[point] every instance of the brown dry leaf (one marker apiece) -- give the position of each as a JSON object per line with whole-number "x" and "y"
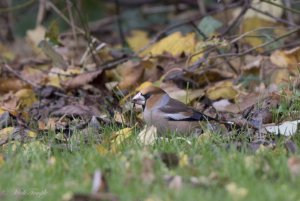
{"x": 81, "y": 79}
{"x": 225, "y": 90}
{"x": 137, "y": 39}
{"x": 243, "y": 103}
{"x": 131, "y": 72}
{"x": 294, "y": 166}
{"x": 34, "y": 75}
{"x": 23, "y": 98}
{"x": 287, "y": 59}
{"x": 77, "y": 110}
{"x": 184, "y": 44}
{"x": 11, "y": 84}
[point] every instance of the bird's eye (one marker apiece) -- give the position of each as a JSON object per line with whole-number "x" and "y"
{"x": 146, "y": 96}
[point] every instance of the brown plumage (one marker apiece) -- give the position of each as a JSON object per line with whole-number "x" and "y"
{"x": 166, "y": 113}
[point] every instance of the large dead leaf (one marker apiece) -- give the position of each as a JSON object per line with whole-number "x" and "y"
{"x": 131, "y": 72}
{"x": 225, "y": 90}
{"x": 184, "y": 44}
{"x": 82, "y": 79}
{"x": 137, "y": 39}
{"x": 287, "y": 59}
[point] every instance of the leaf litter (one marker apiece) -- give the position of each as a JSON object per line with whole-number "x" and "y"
{"x": 77, "y": 84}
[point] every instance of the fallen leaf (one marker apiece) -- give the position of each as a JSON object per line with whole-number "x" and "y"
{"x": 148, "y": 135}
{"x": 222, "y": 90}
{"x": 131, "y": 72}
{"x": 36, "y": 35}
{"x": 82, "y": 79}
{"x": 119, "y": 137}
{"x": 137, "y": 39}
{"x": 236, "y": 192}
{"x": 184, "y": 44}
{"x": 287, "y": 128}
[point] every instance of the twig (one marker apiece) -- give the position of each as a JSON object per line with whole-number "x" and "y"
{"x": 202, "y": 8}
{"x": 289, "y": 14}
{"x": 281, "y": 6}
{"x": 271, "y": 16}
{"x": 218, "y": 51}
{"x": 119, "y": 23}
{"x": 7, "y": 67}
{"x": 257, "y": 47}
{"x": 69, "y": 5}
{"x": 160, "y": 34}
{"x": 55, "y": 9}
{"x": 41, "y": 12}
{"x": 17, "y": 7}
{"x": 238, "y": 18}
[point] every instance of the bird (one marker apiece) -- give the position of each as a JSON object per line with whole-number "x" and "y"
{"x": 166, "y": 113}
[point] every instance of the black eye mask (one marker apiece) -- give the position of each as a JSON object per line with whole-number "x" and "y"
{"x": 146, "y": 96}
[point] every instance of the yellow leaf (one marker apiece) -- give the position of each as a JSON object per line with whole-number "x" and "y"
{"x": 204, "y": 137}
{"x": 101, "y": 149}
{"x": 1, "y": 111}
{"x": 6, "y": 53}
{"x": 183, "y": 159}
{"x": 31, "y": 134}
{"x": 138, "y": 39}
{"x": 286, "y": 58}
{"x": 255, "y": 23}
{"x": 119, "y": 137}
{"x": 223, "y": 90}
{"x": 6, "y": 132}
{"x": 174, "y": 44}
{"x": 26, "y": 97}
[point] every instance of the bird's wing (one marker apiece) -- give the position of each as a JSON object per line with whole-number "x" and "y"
{"x": 177, "y": 111}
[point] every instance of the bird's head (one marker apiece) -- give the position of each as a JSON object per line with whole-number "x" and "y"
{"x": 147, "y": 93}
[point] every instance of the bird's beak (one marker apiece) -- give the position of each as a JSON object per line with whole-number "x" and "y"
{"x": 139, "y": 99}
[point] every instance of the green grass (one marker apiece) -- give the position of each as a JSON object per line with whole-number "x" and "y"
{"x": 27, "y": 170}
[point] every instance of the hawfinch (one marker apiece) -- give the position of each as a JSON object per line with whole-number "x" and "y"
{"x": 166, "y": 113}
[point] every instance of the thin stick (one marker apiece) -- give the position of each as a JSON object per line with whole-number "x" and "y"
{"x": 281, "y": 6}
{"x": 7, "y": 67}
